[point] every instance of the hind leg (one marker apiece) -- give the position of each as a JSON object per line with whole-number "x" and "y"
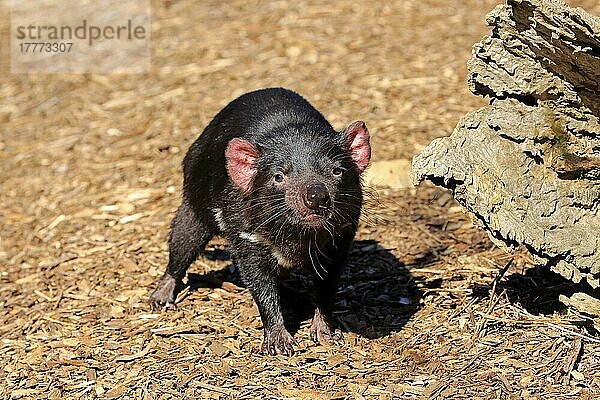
{"x": 189, "y": 235}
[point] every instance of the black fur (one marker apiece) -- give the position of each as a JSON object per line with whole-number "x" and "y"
{"x": 291, "y": 136}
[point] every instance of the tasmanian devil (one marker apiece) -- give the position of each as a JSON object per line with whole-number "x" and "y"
{"x": 271, "y": 175}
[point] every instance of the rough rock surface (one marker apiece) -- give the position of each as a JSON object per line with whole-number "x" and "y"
{"x": 527, "y": 167}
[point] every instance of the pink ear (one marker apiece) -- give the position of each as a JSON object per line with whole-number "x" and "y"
{"x": 241, "y": 158}
{"x": 356, "y": 139}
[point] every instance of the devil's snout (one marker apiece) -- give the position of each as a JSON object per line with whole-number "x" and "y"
{"x": 317, "y": 196}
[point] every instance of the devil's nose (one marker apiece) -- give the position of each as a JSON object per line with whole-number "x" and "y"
{"x": 316, "y": 196}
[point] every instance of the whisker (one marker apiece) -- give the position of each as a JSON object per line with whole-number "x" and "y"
{"x": 312, "y": 261}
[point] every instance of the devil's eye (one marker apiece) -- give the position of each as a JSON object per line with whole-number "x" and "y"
{"x": 278, "y": 177}
{"x": 337, "y": 171}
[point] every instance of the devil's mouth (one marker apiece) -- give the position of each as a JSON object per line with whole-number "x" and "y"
{"x": 315, "y": 217}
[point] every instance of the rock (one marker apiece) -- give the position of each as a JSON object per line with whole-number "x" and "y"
{"x": 393, "y": 174}
{"x": 527, "y": 167}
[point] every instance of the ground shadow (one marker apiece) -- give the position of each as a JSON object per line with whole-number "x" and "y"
{"x": 537, "y": 290}
{"x": 377, "y": 294}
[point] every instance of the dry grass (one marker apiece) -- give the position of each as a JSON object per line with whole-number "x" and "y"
{"x": 90, "y": 178}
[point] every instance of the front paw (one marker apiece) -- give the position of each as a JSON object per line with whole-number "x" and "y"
{"x": 163, "y": 297}
{"x": 278, "y": 341}
{"x": 321, "y": 332}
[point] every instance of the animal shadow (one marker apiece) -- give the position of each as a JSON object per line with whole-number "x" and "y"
{"x": 377, "y": 293}
{"x": 376, "y": 296}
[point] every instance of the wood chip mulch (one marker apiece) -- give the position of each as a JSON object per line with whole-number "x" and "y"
{"x": 90, "y": 177}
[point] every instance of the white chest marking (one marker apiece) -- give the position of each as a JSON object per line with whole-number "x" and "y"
{"x": 219, "y": 218}
{"x": 260, "y": 239}
{"x": 281, "y": 260}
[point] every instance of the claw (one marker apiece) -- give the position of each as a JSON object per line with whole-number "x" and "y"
{"x": 321, "y": 332}
{"x": 278, "y": 342}
{"x": 163, "y": 297}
